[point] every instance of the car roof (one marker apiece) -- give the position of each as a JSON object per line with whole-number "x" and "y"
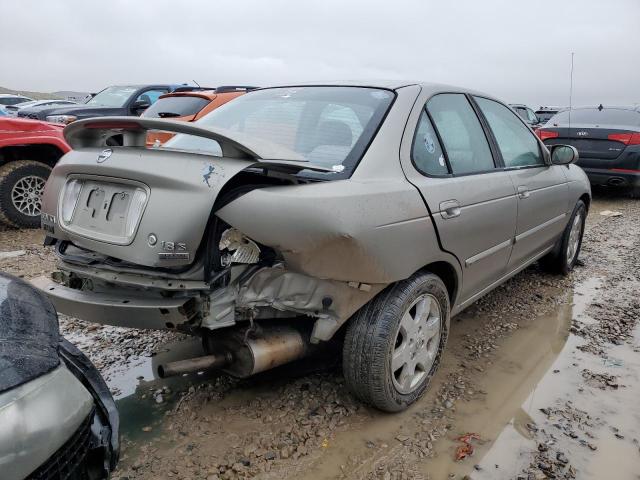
{"x": 12, "y": 95}
{"x": 206, "y": 94}
{"x": 429, "y": 87}
{"x": 609, "y": 107}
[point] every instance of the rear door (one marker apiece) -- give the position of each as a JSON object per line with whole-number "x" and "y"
{"x": 471, "y": 200}
{"x": 541, "y": 188}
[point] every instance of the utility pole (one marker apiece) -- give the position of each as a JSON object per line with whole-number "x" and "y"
{"x": 571, "y": 91}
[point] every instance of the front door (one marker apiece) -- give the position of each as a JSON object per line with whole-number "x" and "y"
{"x": 472, "y": 201}
{"x": 541, "y": 188}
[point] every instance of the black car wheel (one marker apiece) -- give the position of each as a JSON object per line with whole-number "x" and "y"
{"x": 21, "y": 186}
{"x": 564, "y": 256}
{"x": 394, "y": 344}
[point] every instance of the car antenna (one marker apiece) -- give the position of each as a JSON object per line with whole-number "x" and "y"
{"x": 196, "y": 83}
{"x": 570, "y": 93}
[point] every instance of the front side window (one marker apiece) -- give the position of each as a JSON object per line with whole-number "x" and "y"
{"x": 518, "y": 146}
{"x": 464, "y": 140}
{"x": 426, "y": 152}
{"x": 325, "y": 126}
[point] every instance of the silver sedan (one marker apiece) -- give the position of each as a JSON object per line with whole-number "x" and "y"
{"x": 293, "y": 213}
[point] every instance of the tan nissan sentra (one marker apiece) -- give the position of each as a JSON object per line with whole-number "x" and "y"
{"x": 363, "y": 213}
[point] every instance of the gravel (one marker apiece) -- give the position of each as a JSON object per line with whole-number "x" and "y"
{"x": 282, "y": 425}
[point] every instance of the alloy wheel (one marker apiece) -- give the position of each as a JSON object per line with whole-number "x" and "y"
{"x": 417, "y": 343}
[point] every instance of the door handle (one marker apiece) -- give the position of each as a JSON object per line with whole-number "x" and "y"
{"x": 523, "y": 192}
{"x": 450, "y": 209}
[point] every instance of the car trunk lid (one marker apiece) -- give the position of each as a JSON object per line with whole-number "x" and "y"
{"x": 148, "y": 207}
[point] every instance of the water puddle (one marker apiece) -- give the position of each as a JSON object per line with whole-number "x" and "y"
{"x": 537, "y": 366}
{"x": 138, "y": 386}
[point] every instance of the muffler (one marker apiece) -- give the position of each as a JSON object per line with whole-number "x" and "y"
{"x": 242, "y": 355}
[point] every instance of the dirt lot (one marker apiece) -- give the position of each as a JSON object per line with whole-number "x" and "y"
{"x": 540, "y": 380}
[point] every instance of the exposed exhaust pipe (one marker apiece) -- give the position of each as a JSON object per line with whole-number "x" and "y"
{"x": 196, "y": 364}
{"x": 243, "y": 356}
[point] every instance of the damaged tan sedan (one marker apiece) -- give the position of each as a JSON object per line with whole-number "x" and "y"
{"x": 364, "y": 213}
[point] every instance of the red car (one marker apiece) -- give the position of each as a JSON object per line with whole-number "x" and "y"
{"x": 28, "y": 151}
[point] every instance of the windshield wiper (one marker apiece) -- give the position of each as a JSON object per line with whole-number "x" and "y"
{"x": 168, "y": 114}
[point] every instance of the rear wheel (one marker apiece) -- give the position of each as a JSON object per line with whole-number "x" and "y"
{"x": 394, "y": 344}
{"x": 635, "y": 192}
{"x": 21, "y": 186}
{"x": 564, "y": 257}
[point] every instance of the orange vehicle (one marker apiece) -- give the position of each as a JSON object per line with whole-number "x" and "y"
{"x": 188, "y": 105}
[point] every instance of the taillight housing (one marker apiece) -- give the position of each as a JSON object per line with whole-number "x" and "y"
{"x": 70, "y": 199}
{"x": 630, "y": 138}
{"x": 546, "y": 134}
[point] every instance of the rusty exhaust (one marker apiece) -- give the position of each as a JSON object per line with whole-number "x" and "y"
{"x": 241, "y": 355}
{"x": 196, "y": 364}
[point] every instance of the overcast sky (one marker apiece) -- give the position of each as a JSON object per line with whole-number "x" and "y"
{"x": 517, "y": 50}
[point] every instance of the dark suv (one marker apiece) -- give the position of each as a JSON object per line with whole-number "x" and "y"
{"x": 608, "y": 140}
{"x": 118, "y": 100}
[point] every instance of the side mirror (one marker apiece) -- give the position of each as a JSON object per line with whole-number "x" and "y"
{"x": 140, "y": 105}
{"x": 563, "y": 154}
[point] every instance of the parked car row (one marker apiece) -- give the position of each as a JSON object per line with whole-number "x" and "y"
{"x": 29, "y": 149}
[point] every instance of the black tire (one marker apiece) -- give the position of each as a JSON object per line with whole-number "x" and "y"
{"x": 635, "y": 192}
{"x": 11, "y": 175}
{"x": 371, "y": 340}
{"x": 557, "y": 260}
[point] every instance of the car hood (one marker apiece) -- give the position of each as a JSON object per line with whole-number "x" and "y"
{"x": 83, "y": 111}
{"x": 29, "y": 333}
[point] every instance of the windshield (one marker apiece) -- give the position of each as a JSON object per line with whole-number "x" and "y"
{"x": 112, "y": 97}
{"x": 178, "y": 106}
{"x": 326, "y": 126}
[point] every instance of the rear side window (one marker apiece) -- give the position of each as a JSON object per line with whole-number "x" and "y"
{"x": 175, "y": 107}
{"x": 518, "y": 146}
{"x": 594, "y": 116}
{"x": 426, "y": 151}
{"x": 464, "y": 140}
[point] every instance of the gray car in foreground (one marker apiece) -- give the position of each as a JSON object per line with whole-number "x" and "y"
{"x": 366, "y": 214}
{"x": 58, "y": 419}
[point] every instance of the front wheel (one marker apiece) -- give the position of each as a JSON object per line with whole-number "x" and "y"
{"x": 21, "y": 186}
{"x": 394, "y": 344}
{"x": 563, "y": 258}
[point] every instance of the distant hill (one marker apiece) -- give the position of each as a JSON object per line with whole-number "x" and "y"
{"x": 34, "y": 95}
{"x": 71, "y": 95}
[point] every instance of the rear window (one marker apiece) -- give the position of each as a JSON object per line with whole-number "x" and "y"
{"x": 326, "y": 126}
{"x": 175, "y": 107}
{"x": 594, "y": 116}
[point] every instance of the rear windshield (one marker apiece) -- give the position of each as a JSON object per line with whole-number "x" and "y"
{"x": 326, "y": 126}
{"x": 594, "y": 116}
{"x": 545, "y": 115}
{"x": 179, "y": 106}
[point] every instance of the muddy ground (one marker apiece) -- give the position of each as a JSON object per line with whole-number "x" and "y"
{"x": 540, "y": 379}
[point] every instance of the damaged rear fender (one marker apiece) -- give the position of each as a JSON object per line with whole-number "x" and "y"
{"x": 375, "y": 232}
